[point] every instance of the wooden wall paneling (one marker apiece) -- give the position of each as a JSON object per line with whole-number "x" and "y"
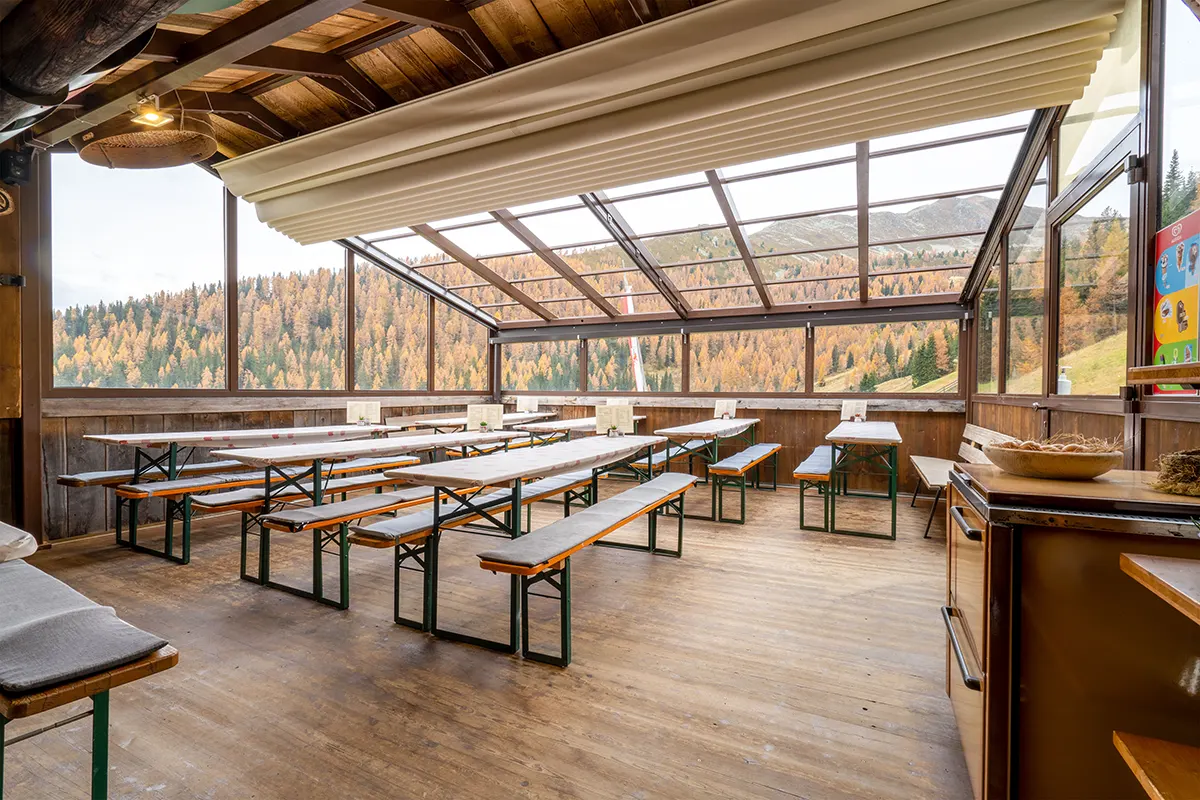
{"x": 1164, "y": 436}
{"x": 325, "y": 416}
{"x": 612, "y": 16}
{"x": 516, "y": 29}
{"x": 85, "y": 507}
{"x": 54, "y": 461}
{"x": 385, "y": 70}
{"x": 1019, "y": 421}
{"x": 8, "y": 476}
{"x": 1102, "y": 426}
{"x": 10, "y": 313}
{"x": 280, "y": 419}
{"x": 119, "y": 458}
{"x": 302, "y": 419}
{"x": 570, "y": 21}
{"x": 256, "y": 419}
{"x": 451, "y": 63}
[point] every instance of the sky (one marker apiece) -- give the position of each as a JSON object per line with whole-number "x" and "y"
{"x": 168, "y": 234}
{"x": 1181, "y": 128}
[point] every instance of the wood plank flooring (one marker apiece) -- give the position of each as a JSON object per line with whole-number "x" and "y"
{"x": 768, "y": 662}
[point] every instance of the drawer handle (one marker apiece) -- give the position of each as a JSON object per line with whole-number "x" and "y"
{"x": 974, "y": 534}
{"x": 970, "y": 681}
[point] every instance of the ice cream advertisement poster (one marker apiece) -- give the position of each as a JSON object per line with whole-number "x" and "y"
{"x": 1177, "y": 296}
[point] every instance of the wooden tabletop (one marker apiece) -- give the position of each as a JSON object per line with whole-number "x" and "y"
{"x": 502, "y": 469}
{"x": 461, "y": 422}
{"x": 565, "y": 425}
{"x": 709, "y": 428}
{"x": 252, "y": 436}
{"x": 884, "y": 433}
{"x": 345, "y": 450}
{"x": 1127, "y": 488}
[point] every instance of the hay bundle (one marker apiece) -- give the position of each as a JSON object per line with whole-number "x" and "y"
{"x": 1179, "y": 473}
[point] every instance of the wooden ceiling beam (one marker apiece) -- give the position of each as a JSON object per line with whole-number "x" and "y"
{"x": 449, "y": 19}
{"x": 729, "y": 211}
{"x": 259, "y": 27}
{"x": 482, "y": 270}
{"x": 531, "y": 240}
{"x": 234, "y": 104}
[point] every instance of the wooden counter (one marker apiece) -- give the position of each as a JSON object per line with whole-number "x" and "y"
{"x": 1051, "y": 646}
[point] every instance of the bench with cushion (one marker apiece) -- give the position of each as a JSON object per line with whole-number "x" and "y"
{"x": 544, "y": 556}
{"x": 185, "y": 495}
{"x": 934, "y": 473}
{"x": 813, "y": 473}
{"x": 59, "y": 647}
{"x": 411, "y": 534}
{"x": 732, "y": 471}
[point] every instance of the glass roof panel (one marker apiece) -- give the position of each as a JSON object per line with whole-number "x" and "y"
{"x": 567, "y": 227}
{"x": 912, "y": 284}
{"x": 486, "y": 240}
{"x": 453, "y": 274}
{"x": 653, "y": 186}
{"x": 701, "y": 246}
{"x": 954, "y": 167}
{"x": 614, "y": 286}
{"x": 827, "y": 232}
{"x": 796, "y": 192}
{"x": 958, "y": 251}
{"x": 724, "y": 298}
{"x": 669, "y": 212}
{"x": 545, "y": 205}
{"x": 794, "y": 160}
{"x": 394, "y": 232}
{"x": 526, "y": 265}
{"x": 598, "y": 257}
{"x": 550, "y": 290}
{"x": 952, "y": 131}
{"x": 579, "y": 309}
{"x": 824, "y": 265}
{"x": 707, "y": 276}
{"x": 482, "y": 216}
{"x": 814, "y": 291}
{"x": 944, "y": 217}
{"x": 413, "y": 250}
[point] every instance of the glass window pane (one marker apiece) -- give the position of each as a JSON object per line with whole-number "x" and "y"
{"x": 460, "y": 352}
{"x": 903, "y": 357}
{"x": 739, "y": 297}
{"x": 945, "y": 217}
{"x": 573, "y": 309}
{"x": 795, "y": 160}
{"x": 828, "y": 232}
{"x": 291, "y": 309}
{"x": 556, "y": 289}
{"x": 127, "y": 319}
{"x": 949, "y": 168}
{"x": 748, "y": 361}
{"x": 702, "y": 246}
{"x": 672, "y": 212}
{"x": 918, "y": 282}
{"x": 659, "y": 364}
{"x": 830, "y": 275}
{"x": 546, "y": 205}
{"x": 413, "y": 250}
{"x": 513, "y": 268}
{"x": 486, "y": 240}
{"x": 1027, "y": 296}
{"x": 814, "y": 291}
{"x": 795, "y": 192}
{"x": 952, "y": 131}
{"x": 653, "y": 186}
{"x": 540, "y": 366}
{"x": 391, "y": 332}
{"x": 482, "y": 216}
{"x": 988, "y": 327}
{"x": 708, "y": 276}
{"x": 1109, "y": 102}
{"x": 1093, "y": 304}
{"x": 1181, "y": 112}
{"x": 567, "y": 227}
{"x": 919, "y": 268}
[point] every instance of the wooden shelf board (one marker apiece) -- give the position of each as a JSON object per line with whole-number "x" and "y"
{"x": 1166, "y": 770}
{"x": 1163, "y": 374}
{"x": 1176, "y": 580}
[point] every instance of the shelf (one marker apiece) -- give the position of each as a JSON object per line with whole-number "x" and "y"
{"x": 1184, "y": 374}
{"x": 1167, "y": 771}
{"x": 1176, "y": 580}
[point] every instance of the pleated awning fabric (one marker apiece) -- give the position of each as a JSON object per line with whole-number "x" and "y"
{"x": 729, "y": 82}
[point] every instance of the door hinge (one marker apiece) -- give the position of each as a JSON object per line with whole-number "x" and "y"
{"x": 8, "y": 279}
{"x": 1135, "y": 169}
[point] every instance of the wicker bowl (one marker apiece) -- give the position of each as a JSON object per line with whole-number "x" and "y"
{"x": 1055, "y": 466}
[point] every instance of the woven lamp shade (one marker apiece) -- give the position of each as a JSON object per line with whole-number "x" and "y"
{"x": 123, "y": 144}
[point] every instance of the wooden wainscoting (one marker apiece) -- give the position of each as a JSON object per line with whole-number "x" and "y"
{"x": 1168, "y": 436}
{"x": 1024, "y": 422}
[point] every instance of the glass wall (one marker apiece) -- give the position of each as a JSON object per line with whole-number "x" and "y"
{"x": 1094, "y": 294}
{"x": 988, "y": 325}
{"x": 540, "y": 366}
{"x": 1181, "y": 112}
{"x": 892, "y": 358}
{"x": 291, "y": 309}
{"x": 1026, "y": 312}
{"x": 636, "y": 364}
{"x": 460, "y": 352}
{"x": 748, "y": 361}
{"x": 391, "y": 332}
{"x": 138, "y": 296}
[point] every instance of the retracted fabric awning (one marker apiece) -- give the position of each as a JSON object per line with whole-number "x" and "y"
{"x": 729, "y": 82}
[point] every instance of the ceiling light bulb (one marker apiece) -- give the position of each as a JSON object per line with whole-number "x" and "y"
{"x": 151, "y": 115}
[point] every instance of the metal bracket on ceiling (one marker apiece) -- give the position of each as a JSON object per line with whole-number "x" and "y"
{"x": 10, "y": 279}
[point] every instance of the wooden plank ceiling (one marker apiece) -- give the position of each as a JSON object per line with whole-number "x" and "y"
{"x": 269, "y": 73}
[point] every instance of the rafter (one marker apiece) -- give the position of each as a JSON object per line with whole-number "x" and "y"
{"x": 729, "y": 211}
{"x": 450, "y": 19}
{"x": 257, "y": 28}
{"x": 618, "y": 227}
{"x": 233, "y": 104}
{"x": 482, "y": 270}
{"x": 531, "y": 240}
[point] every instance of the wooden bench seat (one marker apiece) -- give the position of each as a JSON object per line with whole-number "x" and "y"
{"x": 732, "y": 471}
{"x": 544, "y": 556}
{"x": 934, "y": 473}
{"x": 116, "y": 477}
{"x": 331, "y": 515}
{"x": 251, "y": 498}
{"x": 813, "y": 473}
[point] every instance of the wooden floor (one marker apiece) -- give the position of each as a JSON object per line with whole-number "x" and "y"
{"x": 768, "y": 662}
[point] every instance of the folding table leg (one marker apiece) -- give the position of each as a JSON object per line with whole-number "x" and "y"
{"x": 100, "y": 746}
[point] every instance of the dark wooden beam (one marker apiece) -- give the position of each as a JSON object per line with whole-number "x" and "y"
{"x": 234, "y": 104}
{"x": 449, "y": 19}
{"x": 257, "y": 28}
{"x": 729, "y": 211}
{"x": 543, "y": 251}
{"x": 618, "y": 227}
{"x": 482, "y": 270}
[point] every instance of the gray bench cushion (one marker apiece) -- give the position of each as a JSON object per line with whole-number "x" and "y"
{"x": 546, "y": 544}
{"x": 50, "y": 633}
{"x": 743, "y": 460}
{"x": 111, "y": 477}
{"x": 188, "y": 485}
{"x": 298, "y": 519}
{"x": 15, "y": 543}
{"x": 238, "y": 496}
{"x": 819, "y": 462}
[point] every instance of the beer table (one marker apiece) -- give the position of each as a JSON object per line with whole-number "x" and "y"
{"x": 452, "y": 424}
{"x": 703, "y": 439}
{"x": 866, "y": 444}
{"x": 561, "y": 429}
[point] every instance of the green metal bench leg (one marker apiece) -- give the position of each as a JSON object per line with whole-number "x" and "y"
{"x": 561, "y": 580}
{"x": 422, "y": 555}
{"x": 3, "y": 723}
{"x": 100, "y": 746}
